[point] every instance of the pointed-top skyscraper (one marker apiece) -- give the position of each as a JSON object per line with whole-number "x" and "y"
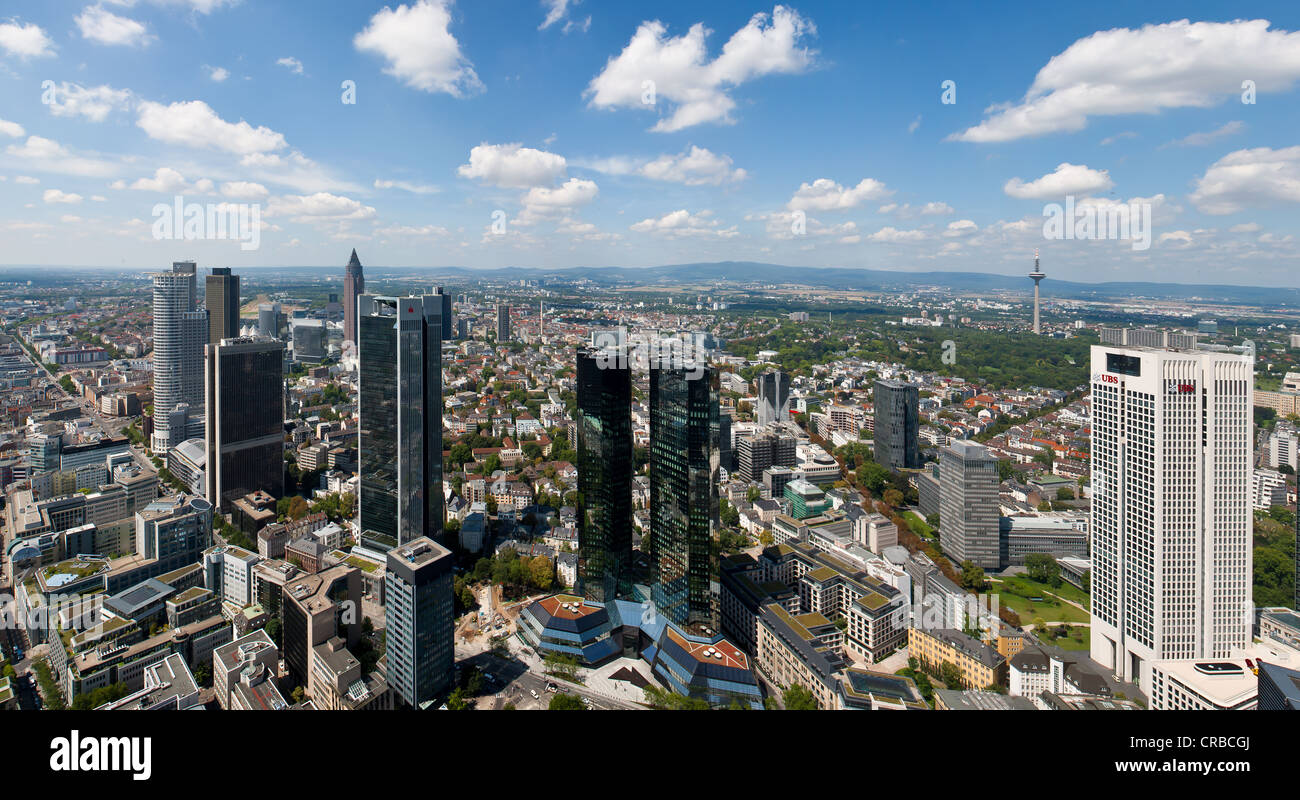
{"x": 354, "y": 285}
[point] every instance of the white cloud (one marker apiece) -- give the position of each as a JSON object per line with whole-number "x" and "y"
{"x": 1245, "y": 227}
{"x": 1258, "y": 176}
{"x": 419, "y": 48}
{"x": 1109, "y": 140}
{"x": 581, "y": 27}
{"x": 936, "y": 208}
{"x": 243, "y": 190}
{"x": 1207, "y": 137}
{"x": 825, "y": 194}
{"x": 781, "y": 225}
{"x": 406, "y": 186}
{"x": 70, "y": 100}
{"x": 682, "y": 223}
{"x": 892, "y": 235}
{"x": 695, "y": 166}
{"x": 1065, "y": 179}
{"x": 961, "y": 227}
{"x": 57, "y": 196}
{"x": 101, "y": 25}
{"x": 166, "y": 180}
{"x": 556, "y": 10}
{"x": 25, "y": 41}
{"x": 48, "y": 155}
{"x": 290, "y": 63}
{"x": 321, "y": 206}
{"x": 542, "y": 202}
{"x": 27, "y": 179}
{"x": 195, "y": 124}
{"x": 914, "y": 124}
{"x": 1177, "y": 237}
{"x": 12, "y": 129}
{"x": 698, "y": 89}
{"x": 408, "y": 230}
{"x": 217, "y": 74}
{"x": 1178, "y": 64}
{"x": 512, "y": 166}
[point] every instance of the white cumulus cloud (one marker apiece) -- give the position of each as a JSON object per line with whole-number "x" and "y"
{"x": 417, "y": 43}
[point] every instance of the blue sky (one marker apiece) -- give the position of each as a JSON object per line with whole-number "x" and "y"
{"x": 531, "y": 114}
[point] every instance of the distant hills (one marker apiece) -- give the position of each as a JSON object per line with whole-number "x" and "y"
{"x": 846, "y": 279}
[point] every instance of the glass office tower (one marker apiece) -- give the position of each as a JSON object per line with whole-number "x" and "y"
{"x": 684, "y": 494}
{"x": 400, "y": 438}
{"x": 605, "y": 468}
{"x": 244, "y": 419}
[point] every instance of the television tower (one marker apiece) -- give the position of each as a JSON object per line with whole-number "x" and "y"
{"x": 1037, "y": 275}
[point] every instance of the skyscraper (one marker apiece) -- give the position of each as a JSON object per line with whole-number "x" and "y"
{"x": 897, "y": 422}
{"x": 179, "y": 333}
{"x": 268, "y": 320}
{"x": 684, "y": 494}
{"x": 503, "y": 323}
{"x": 604, "y": 446}
{"x": 399, "y": 444}
{"x": 354, "y": 285}
{"x": 244, "y": 413}
{"x": 419, "y": 608}
{"x": 1171, "y": 513}
{"x": 447, "y": 319}
{"x": 221, "y": 296}
{"x": 968, "y": 504}
{"x": 773, "y": 397}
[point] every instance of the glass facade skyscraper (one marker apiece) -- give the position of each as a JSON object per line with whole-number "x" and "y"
{"x": 400, "y": 435}
{"x": 683, "y": 494}
{"x": 897, "y": 425}
{"x": 605, "y": 467}
{"x": 244, "y": 419}
{"x": 221, "y": 297}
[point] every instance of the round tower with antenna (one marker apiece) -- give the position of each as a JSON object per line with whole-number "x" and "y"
{"x": 1037, "y": 275}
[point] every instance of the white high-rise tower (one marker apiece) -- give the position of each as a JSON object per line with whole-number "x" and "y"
{"x": 179, "y": 333}
{"x": 1171, "y": 509}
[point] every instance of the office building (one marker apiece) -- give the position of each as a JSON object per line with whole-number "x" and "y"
{"x": 447, "y": 319}
{"x": 354, "y": 285}
{"x": 768, "y": 448}
{"x": 269, "y": 320}
{"x": 418, "y": 611}
{"x": 1279, "y": 688}
{"x": 604, "y": 446}
{"x": 896, "y": 425}
{"x": 1171, "y": 508}
{"x": 179, "y": 332}
{"x": 773, "y": 398}
{"x": 221, "y": 296}
{"x": 968, "y": 504}
{"x": 683, "y": 493}
{"x": 244, "y": 415}
{"x": 503, "y": 323}
{"x": 316, "y": 608}
{"x": 399, "y": 445}
{"x": 174, "y": 531}
{"x": 308, "y": 340}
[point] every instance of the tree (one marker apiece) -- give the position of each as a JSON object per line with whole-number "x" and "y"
{"x": 798, "y": 698}
{"x": 893, "y": 498}
{"x": 753, "y": 494}
{"x": 1064, "y": 494}
{"x": 563, "y": 701}
{"x": 540, "y": 572}
{"x": 950, "y": 674}
{"x": 873, "y": 477}
{"x": 729, "y": 515}
{"x": 972, "y": 575}
{"x": 1042, "y": 567}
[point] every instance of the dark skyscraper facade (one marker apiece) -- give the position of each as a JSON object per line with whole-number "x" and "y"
{"x": 221, "y": 295}
{"x": 897, "y": 424}
{"x": 683, "y": 494}
{"x": 244, "y": 419}
{"x": 419, "y": 611}
{"x": 604, "y": 449}
{"x": 503, "y": 323}
{"x": 354, "y": 285}
{"x": 399, "y": 445}
{"x": 447, "y": 322}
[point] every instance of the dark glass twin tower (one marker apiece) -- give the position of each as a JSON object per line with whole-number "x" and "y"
{"x": 684, "y": 436}
{"x": 399, "y": 449}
